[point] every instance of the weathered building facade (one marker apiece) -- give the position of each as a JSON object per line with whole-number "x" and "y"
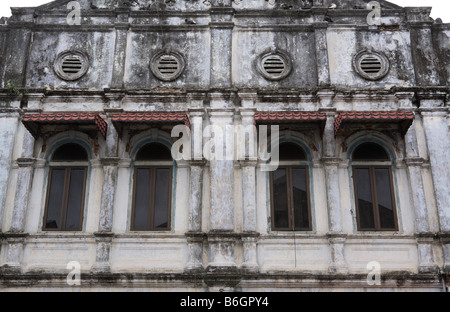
{"x": 88, "y": 101}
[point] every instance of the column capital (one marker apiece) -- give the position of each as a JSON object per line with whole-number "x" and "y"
{"x": 26, "y": 162}
{"x": 196, "y": 112}
{"x": 221, "y": 113}
{"x": 331, "y": 161}
{"x": 248, "y": 162}
{"x": 414, "y": 161}
{"x": 198, "y": 162}
{"x": 329, "y": 111}
{"x": 110, "y": 161}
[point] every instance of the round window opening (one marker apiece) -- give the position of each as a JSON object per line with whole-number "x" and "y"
{"x": 371, "y": 65}
{"x": 167, "y": 66}
{"x": 274, "y": 65}
{"x": 71, "y": 65}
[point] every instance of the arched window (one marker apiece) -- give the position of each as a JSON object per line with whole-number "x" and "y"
{"x": 66, "y": 189}
{"x": 152, "y": 190}
{"x": 374, "y": 195}
{"x": 290, "y": 198}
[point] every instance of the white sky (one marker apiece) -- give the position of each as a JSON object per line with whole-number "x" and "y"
{"x": 441, "y": 8}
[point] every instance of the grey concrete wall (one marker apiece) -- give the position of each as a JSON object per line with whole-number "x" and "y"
{"x": 120, "y": 43}
{"x": 8, "y": 126}
{"x": 221, "y": 226}
{"x": 141, "y": 46}
{"x": 99, "y": 46}
{"x": 442, "y": 44}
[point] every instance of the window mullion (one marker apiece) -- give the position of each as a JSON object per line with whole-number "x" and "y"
{"x": 152, "y": 197}
{"x": 376, "y": 214}
{"x": 290, "y": 196}
{"x": 65, "y": 201}
{"x": 355, "y": 190}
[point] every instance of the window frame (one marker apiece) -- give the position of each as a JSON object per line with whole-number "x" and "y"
{"x": 68, "y": 167}
{"x": 153, "y": 166}
{"x": 373, "y": 188}
{"x": 290, "y": 195}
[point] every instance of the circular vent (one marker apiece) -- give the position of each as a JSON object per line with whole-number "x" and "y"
{"x": 274, "y": 65}
{"x": 71, "y": 65}
{"x": 371, "y": 65}
{"x": 167, "y": 66}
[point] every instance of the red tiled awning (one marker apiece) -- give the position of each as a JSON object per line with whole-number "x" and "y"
{"x": 34, "y": 122}
{"x": 151, "y": 117}
{"x": 293, "y": 117}
{"x": 400, "y": 118}
{"x": 298, "y": 118}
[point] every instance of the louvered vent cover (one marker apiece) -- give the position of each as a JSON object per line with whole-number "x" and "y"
{"x": 71, "y": 65}
{"x": 274, "y": 65}
{"x": 371, "y": 65}
{"x": 167, "y": 66}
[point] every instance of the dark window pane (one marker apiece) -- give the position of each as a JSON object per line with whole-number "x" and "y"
{"x": 162, "y": 193}
{"x": 370, "y": 151}
{"x": 280, "y": 199}
{"x": 384, "y": 196}
{"x": 291, "y": 151}
{"x": 155, "y": 152}
{"x": 75, "y": 199}
{"x": 300, "y": 192}
{"x": 55, "y": 199}
{"x": 70, "y": 152}
{"x": 142, "y": 199}
{"x": 364, "y": 196}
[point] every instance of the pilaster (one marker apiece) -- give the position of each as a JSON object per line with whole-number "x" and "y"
{"x": 434, "y": 119}
{"x": 221, "y": 26}
{"x": 15, "y": 243}
{"x": 104, "y": 236}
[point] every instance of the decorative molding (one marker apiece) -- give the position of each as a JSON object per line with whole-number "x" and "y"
{"x": 26, "y": 162}
{"x": 110, "y": 161}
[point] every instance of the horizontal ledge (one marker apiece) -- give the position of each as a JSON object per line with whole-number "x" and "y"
{"x": 95, "y": 279}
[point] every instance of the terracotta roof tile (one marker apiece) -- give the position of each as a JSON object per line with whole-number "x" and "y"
{"x": 33, "y": 121}
{"x": 289, "y": 116}
{"x": 372, "y": 116}
{"x": 148, "y": 117}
